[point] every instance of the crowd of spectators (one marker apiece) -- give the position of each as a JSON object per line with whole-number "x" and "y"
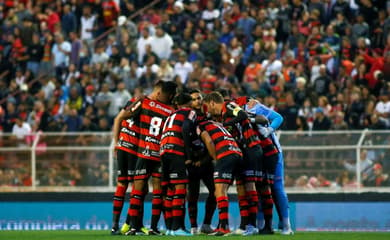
{"x": 323, "y": 64}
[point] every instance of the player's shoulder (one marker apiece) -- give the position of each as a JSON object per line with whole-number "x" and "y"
{"x": 241, "y": 101}
{"x": 157, "y": 105}
{"x": 189, "y": 113}
{"x": 203, "y": 123}
{"x": 232, "y": 108}
{"x": 134, "y": 104}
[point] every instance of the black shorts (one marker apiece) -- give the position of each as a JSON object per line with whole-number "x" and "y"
{"x": 174, "y": 170}
{"x": 269, "y": 168}
{"x": 126, "y": 165}
{"x": 203, "y": 171}
{"x": 253, "y": 164}
{"x": 228, "y": 168}
{"x": 146, "y": 168}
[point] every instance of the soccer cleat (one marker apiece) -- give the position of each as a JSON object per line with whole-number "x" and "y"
{"x": 168, "y": 232}
{"x": 115, "y": 231}
{"x": 250, "y": 230}
{"x": 238, "y": 232}
{"x": 125, "y": 228}
{"x": 144, "y": 230}
{"x": 194, "y": 231}
{"x": 134, "y": 232}
{"x": 220, "y": 232}
{"x": 131, "y": 232}
{"x": 288, "y": 231}
{"x": 206, "y": 229}
{"x": 155, "y": 232}
{"x": 266, "y": 231}
{"x": 180, "y": 232}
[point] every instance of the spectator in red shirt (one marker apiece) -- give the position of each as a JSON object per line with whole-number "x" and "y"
{"x": 51, "y": 18}
{"x": 377, "y": 63}
{"x": 110, "y": 13}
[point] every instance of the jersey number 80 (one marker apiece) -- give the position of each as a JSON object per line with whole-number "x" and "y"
{"x": 155, "y": 125}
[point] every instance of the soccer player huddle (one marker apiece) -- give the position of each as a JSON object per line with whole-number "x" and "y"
{"x": 178, "y": 140}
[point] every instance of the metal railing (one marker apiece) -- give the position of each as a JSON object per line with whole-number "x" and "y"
{"x": 314, "y": 161}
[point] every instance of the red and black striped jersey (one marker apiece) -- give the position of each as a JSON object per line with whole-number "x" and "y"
{"x": 173, "y": 138}
{"x": 201, "y": 116}
{"x": 268, "y": 146}
{"x": 225, "y": 144}
{"x": 232, "y": 129}
{"x": 249, "y": 137}
{"x": 129, "y": 133}
{"x": 152, "y": 115}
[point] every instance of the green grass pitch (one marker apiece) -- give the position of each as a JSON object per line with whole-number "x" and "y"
{"x": 104, "y": 235}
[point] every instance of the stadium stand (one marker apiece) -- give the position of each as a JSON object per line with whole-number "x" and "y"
{"x": 69, "y": 66}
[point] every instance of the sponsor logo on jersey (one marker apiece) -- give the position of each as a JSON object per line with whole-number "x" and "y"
{"x": 228, "y": 138}
{"x": 169, "y": 111}
{"x": 140, "y": 172}
{"x": 227, "y": 175}
{"x": 155, "y": 153}
{"x": 166, "y": 134}
{"x": 152, "y": 140}
{"x": 173, "y": 175}
{"x": 146, "y": 152}
{"x": 136, "y": 106}
{"x": 127, "y": 131}
{"x": 192, "y": 115}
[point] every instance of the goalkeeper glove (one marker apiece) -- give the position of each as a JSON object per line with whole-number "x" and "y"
{"x": 266, "y": 131}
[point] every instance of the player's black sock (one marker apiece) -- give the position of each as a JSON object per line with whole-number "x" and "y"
{"x": 141, "y": 210}
{"x": 119, "y": 198}
{"x": 267, "y": 205}
{"x": 193, "y": 210}
{"x": 135, "y": 209}
{"x": 223, "y": 208}
{"x": 168, "y": 209}
{"x": 253, "y": 206}
{"x": 211, "y": 204}
{"x": 156, "y": 208}
{"x": 178, "y": 208}
{"x": 244, "y": 214}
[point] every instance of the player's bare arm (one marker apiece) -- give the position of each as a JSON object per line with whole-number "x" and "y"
{"x": 126, "y": 113}
{"x": 123, "y": 114}
{"x": 209, "y": 144}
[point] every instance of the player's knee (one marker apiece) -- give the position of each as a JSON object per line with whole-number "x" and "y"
{"x": 139, "y": 185}
{"x": 122, "y": 183}
{"x": 250, "y": 186}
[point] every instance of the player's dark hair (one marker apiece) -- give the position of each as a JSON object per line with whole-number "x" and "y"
{"x": 182, "y": 99}
{"x": 158, "y": 84}
{"x": 194, "y": 90}
{"x": 224, "y": 92}
{"x": 169, "y": 88}
{"x": 213, "y": 97}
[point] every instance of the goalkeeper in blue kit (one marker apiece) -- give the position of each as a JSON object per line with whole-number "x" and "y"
{"x": 279, "y": 194}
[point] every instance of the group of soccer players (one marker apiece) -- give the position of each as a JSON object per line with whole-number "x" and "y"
{"x": 178, "y": 140}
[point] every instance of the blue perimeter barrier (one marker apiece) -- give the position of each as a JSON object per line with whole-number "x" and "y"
{"x": 81, "y": 215}
{"x": 368, "y": 211}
